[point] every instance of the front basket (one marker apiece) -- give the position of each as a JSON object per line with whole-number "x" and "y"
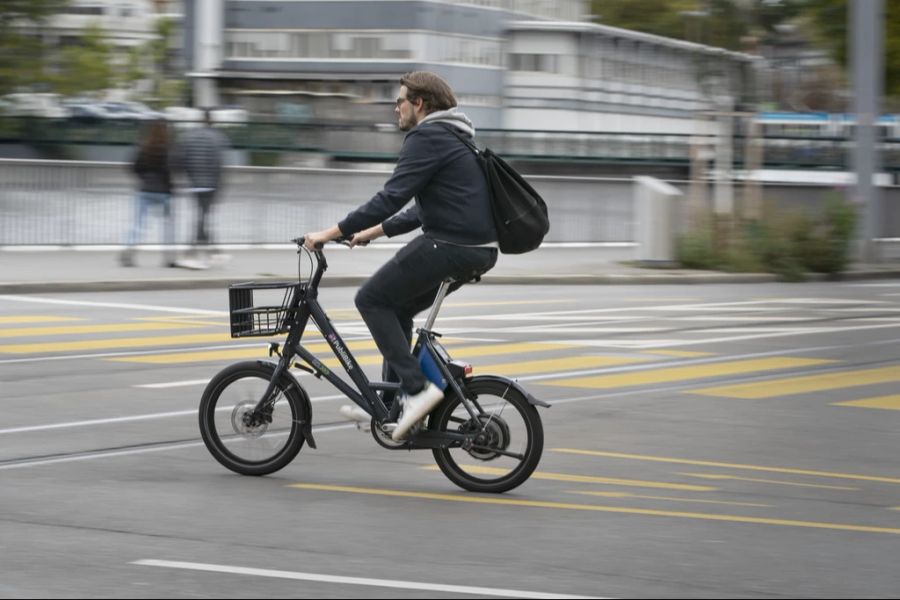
{"x": 269, "y": 313}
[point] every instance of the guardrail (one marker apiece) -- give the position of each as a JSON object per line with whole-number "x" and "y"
{"x": 342, "y": 141}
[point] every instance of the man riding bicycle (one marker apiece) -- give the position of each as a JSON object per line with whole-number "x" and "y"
{"x": 459, "y": 240}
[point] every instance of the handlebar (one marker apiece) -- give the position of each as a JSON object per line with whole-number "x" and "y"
{"x": 343, "y": 241}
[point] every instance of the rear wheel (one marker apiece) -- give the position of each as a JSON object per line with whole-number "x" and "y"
{"x": 509, "y": 441}
{"x": 242, "y": 440}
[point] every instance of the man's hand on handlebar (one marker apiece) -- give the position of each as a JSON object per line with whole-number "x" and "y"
{"x": 314, "y": 241}
{"x": 367, "y": 235}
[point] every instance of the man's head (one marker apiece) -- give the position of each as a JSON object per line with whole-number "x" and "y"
{"x": 421, "y": 93}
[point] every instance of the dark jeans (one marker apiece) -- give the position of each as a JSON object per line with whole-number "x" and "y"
{"x": 405, "y": 286}
{"x": 202, "y": 237}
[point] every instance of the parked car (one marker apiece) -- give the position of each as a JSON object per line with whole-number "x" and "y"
{"x": 84, "y": 109}
{"x": 230, "y": 115}
{"x": 184, "y": 116}
{"x": 35, "y": 105}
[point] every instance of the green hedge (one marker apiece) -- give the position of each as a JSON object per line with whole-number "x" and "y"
{"x": 790, "y": 245}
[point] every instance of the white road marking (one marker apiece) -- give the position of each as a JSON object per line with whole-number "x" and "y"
{"x": 150, "y": 307}
{"x": 172, "y": 384}
{"x": 132, "y": 418}
{"x": 115, "y": 453}
{"x": 364, "y": 581}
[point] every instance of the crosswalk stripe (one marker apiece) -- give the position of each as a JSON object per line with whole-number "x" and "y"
{"x": 37, "y": 319}
{"x": 96, "y": 328}
{"x": 259, "y": 351}
{"x": 570, "y": 363}
{"x": 464, "y": 352}
{"x": 683, "y": 373}
{"x": 802, "y": 385}
{"x": 108, "y": 343}
{"x": 886, "y": 402}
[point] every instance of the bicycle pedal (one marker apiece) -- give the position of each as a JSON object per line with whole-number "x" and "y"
{"x": 388, "y": 427}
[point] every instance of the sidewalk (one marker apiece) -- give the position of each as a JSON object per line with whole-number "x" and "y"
{"x": 30, "y": 270}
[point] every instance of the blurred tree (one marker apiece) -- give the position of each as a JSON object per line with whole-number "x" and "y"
{"x": 158, "y": 49}
{"x": 722, "y": 23}
{"x": 21, "y": 47}
{"x": 85, "y": 67}
{"x": 832, "y": 21}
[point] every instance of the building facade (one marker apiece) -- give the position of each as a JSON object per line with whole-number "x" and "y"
{"x": 514, "y": 64}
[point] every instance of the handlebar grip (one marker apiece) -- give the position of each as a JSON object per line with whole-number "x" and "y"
{"x": 301, "y": 241}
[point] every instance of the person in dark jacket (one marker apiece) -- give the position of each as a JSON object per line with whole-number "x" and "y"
{"x": 200, "y": 154}
{"x": 452, "y": 206}
{"x": 151, "y": 165}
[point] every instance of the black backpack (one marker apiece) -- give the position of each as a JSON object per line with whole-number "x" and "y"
{"x": 520, "y": 214}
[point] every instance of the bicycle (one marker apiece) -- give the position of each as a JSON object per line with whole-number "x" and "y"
{"x": 255, "y": 416}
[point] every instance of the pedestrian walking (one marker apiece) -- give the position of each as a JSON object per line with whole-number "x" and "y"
{"x": 200, "y": 154}
{"x": 152, "y": 167}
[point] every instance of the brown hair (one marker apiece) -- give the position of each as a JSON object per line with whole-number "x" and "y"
{"x": 434, "y": 91}
{"x": 156, "y": 139}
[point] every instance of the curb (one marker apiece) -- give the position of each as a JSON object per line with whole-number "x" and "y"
{"x": 356, "y": 281}
{"x": 650, "y": 278}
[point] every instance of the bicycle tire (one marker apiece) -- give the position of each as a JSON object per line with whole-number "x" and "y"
{"x": 216, "y": 438}
{"x": 531, "y": 427}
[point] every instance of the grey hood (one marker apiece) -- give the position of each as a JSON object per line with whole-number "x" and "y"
{"x": 452, "y": 117}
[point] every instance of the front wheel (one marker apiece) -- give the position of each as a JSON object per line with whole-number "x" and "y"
{"x": 244, "y": 440}
{"x": 508, "y": 445}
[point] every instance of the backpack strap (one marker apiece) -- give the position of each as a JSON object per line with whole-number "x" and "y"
{"x": 461, "y": 138}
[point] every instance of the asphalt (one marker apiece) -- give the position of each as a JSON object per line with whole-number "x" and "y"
{"x": 83, "y": 269}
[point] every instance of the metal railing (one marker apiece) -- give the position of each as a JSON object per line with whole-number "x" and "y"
{"x": 76, "y": 202}
{"x": 342, "y": 141}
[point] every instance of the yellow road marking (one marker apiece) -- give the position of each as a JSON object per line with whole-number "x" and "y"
{"x": 97, "y": 328}
{"x": 322, "y": 348}
{"x": 592, "y": 507}
{"x": 481, "y": 470}
{"x": 191, "y": 320}
{"x": 802, "y": 385}
{"x": 691, "y": 372}
{"x": 886, "y": 402}
{"x": 37, "y": 319}
{"x": 707, "y": 463}
{"x": 555, "y": 364}
{"x": 109, "y": 343}
{"x": 772, "y": 481}
{"x": 235, "y": 353}
{"x": 674, "y": 499}
{"x": 466, "y": 352}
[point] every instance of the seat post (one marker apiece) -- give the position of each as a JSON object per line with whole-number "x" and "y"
{"x": 436, "y": 307}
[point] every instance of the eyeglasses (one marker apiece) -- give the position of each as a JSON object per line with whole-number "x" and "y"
{"x": 400, "y": 101}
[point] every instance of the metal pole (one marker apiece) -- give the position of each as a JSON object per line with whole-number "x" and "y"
{"x": 866, "y": 51}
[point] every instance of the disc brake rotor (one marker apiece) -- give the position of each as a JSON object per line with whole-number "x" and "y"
{"x": 242, "y": 420}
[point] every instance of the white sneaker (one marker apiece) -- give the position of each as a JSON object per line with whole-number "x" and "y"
{"x": 355, "y": 413}
{"x": 416, "y": 408}
{"x": 191, "y": 263}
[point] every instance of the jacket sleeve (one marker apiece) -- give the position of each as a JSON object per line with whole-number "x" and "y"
{"x": 415, "y": 166}
{"x": 402, "y": 223}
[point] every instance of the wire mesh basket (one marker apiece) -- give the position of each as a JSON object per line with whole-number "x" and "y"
{"x": 261, "y": 309}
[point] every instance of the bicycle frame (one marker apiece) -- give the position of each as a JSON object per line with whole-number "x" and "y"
{"x": 305, "y": 306}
